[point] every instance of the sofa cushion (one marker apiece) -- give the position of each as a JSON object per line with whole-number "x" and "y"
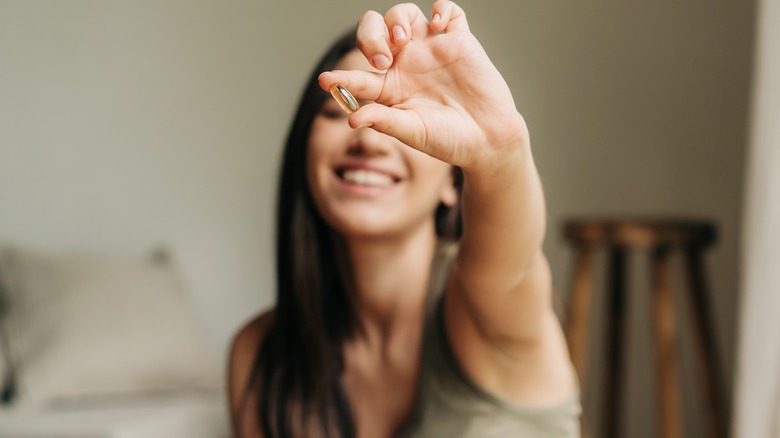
{"x": 85, "y": 325}
{"x": 187, "y": 414}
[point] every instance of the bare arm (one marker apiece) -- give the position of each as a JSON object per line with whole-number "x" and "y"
{"x": 498, "y": 312}
{"x": 243, "y": 404}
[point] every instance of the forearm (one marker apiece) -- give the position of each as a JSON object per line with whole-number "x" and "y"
{"x": 504, "y": 219}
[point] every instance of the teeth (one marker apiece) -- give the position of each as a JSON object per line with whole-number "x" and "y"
{"x": 367, "y": 178}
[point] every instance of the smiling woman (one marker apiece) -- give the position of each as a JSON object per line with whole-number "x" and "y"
{"x": 383, "y": 326}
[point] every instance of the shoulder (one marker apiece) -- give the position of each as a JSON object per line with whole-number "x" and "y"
{"x": 243, "y": 352}
{"x": 247, "y": 339}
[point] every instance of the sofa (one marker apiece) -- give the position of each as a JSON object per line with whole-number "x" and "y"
{"x": 103, "y": 345}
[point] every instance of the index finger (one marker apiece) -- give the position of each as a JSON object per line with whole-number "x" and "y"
{"x": 364, "y": 85}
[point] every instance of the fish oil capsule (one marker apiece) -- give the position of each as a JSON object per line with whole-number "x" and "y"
{"x": 346, "y": 101}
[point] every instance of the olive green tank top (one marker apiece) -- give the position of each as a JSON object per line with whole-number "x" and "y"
{"x": 450, "y": 405}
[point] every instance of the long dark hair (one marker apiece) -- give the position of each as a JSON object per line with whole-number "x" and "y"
{"x": 299, "y": 362}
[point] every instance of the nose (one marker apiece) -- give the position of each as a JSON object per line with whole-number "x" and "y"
{"x": 367, "y": 143}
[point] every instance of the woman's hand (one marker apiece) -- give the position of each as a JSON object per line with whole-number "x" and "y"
{"x": 439, "y": 92}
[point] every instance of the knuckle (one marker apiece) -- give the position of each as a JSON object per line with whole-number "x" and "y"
{"x": 376, "y": 41}
{"x": 368, "y": 16}
{"x": 400, "y": 10}
{"x": 371, "y": 43}
{"x": 412, "y": 9}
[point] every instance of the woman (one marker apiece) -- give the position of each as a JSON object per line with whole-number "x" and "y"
{"x": 376, "y": 331}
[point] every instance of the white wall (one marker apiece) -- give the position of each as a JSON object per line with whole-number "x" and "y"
{"x": 128, "y": 124}
{"x": 757, "y": 391}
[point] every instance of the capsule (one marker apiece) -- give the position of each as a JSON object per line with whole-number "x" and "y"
{"x": 346, "y": 101}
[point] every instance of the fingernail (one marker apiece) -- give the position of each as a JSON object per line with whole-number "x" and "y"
{"x": 381, "y": 62}
{"x": 365, "y": 125}
{"x": 436, "y": 18}
{"x": 398, "y": 33}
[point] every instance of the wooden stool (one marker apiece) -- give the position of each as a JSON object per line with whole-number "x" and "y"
{"x": 660, "y": 238}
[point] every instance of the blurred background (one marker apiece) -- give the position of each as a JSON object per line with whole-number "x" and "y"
{"x": 127, "y": 126}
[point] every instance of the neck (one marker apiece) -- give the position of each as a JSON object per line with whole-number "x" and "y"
{"x": 390, "y": 282}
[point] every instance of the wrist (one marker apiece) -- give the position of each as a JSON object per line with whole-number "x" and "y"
{"x": 503, "y": 138}
{"x": 502, "y": 152}
{"x": 504, "y": 167}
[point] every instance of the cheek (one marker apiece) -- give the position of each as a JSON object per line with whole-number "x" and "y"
{"x": 435, "y": 180}
{"x": 436, "y": 174}
{"x": 315, "y": 157}
{"x": 327, "y": 137}
{"x": 322, "y": 140}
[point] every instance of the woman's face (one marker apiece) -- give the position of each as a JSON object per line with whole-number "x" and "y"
{"x": 367, "y": 184}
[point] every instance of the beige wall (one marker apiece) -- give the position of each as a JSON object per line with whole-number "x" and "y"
{"x": 124, "y": 125}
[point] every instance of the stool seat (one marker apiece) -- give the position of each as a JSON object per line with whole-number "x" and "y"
{"x": 640, "y": 232}
{"x": 658, "y": 238}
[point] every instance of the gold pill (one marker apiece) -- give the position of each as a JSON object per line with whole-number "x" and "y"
{"x": 344, "y": 98}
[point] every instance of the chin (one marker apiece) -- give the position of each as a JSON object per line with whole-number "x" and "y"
{"x": 364, "y": 228}
{"x": 378, "y": 228}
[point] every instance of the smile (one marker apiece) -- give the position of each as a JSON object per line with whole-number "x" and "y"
{"x": 364, "y": 177}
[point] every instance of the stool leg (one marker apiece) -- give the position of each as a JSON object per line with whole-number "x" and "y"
{"x": 666, "y": 348}
{"x": 577, "y": 322}
{"x": 704, "y": 344}
{"x": 615, "y": 327}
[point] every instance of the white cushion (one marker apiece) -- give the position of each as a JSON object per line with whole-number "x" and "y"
{"x": 84, "y": 325}
{"x": 177, "y": 415}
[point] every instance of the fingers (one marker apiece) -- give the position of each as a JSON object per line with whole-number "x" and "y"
{"x": 448, "y": 16}
{"x": 406, "y": 22}
{"x": 380, "y": 37}
{"x": 402, "y": 124}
